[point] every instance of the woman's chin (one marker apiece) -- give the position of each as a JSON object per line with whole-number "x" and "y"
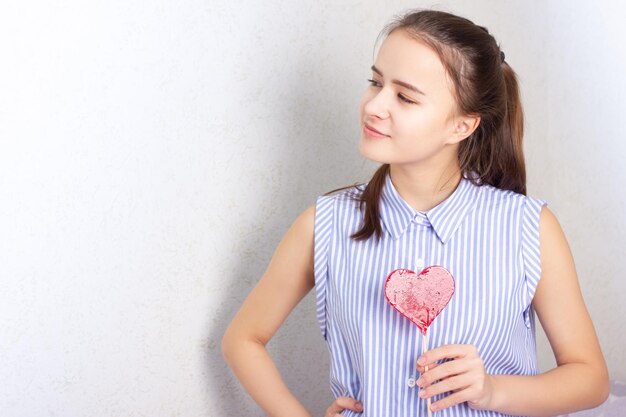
{"x": 374, "y": 158}
{"x": 368, "y": 153}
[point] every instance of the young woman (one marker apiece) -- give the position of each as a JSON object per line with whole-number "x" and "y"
{"x": 442, "y": 115}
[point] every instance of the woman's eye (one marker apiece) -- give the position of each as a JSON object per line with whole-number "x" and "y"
{"x": 405, "y": 99}
{"x": 374, "y": 83}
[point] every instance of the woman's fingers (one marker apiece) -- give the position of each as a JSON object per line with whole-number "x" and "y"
{"x": 464, "y": 375}
{"x": 347, "y": 402}
{"x": 447, "y": 352}
{"x": 342, "y": 403}
{"x": 453, "y": 383}
{"x": 444, "y": 371}
{"x": 421, "y": 369}
{"x": 449, "y": 401}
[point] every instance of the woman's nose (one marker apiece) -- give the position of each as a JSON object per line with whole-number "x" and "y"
{"x": 378, "y": 105}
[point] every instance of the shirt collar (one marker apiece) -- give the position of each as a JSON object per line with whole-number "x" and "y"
{"x": 396, "y": 214}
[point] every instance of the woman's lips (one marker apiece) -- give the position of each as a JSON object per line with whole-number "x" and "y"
{"x": 372, "y": 132}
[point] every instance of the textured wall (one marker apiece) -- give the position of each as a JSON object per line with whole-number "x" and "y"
{"x": 152, "y": 155}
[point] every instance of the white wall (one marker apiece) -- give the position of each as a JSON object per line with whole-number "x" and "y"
{"x": 152, "y": 155}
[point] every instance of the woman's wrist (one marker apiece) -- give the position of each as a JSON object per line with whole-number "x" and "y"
{"x": 496, "y": 401}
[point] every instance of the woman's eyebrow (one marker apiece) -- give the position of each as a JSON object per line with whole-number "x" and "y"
{"x": 401, "y": 83}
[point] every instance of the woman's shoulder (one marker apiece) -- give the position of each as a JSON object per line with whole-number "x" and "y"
{"x": 496, "y": 203}
{"x": 345, "y": 195}
{"x": 339, "y": 203}
{"x": 497, "y": 197}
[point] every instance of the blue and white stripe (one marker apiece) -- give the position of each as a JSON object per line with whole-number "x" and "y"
{"x": 487, "y": 238}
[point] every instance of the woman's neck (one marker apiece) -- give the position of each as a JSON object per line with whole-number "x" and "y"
{"x": 425, "y": 189}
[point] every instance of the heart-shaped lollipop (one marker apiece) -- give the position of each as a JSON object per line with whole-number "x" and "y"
{"x": 420, "y": 298}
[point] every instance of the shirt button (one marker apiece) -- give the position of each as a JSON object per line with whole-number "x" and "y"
{"x": 420, "y": 264}
{"x": 410, "y": 382}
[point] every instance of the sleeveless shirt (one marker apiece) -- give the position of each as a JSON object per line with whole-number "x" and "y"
{"x": 486, "y": 237}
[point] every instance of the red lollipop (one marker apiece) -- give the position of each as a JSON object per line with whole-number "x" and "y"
{"x": 420, "y": 298}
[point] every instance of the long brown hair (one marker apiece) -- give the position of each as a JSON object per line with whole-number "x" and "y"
{"x": 484, "y": 85}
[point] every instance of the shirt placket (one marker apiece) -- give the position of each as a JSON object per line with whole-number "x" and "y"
{"x": 421, "y": 227}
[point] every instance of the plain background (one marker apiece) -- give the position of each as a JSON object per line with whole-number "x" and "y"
{"x": 153, "y": 154}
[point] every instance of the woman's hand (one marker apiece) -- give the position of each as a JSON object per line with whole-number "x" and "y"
{"x": 465, "y": 376}
{"x": 340, "y": 404}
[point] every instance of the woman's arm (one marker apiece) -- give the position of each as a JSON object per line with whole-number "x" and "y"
{"x": 580, "y": 379}
{"x": 288, "y": 278}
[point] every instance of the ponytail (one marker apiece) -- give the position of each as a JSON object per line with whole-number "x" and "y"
{"x": 494, "y": 151}
{"x": 370, "y": 198}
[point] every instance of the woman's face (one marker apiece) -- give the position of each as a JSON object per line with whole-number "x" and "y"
{"x": 418, "y": 130}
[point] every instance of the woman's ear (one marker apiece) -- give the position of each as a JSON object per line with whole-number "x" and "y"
{"x": 463, "y": 127}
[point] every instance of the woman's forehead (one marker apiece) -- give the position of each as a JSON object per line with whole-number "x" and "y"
{"x": 412, "y": 61}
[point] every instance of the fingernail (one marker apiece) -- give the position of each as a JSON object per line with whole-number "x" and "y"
{"x": 420, "y": 381}
{"x": 421, "y": 360}
{"x": 359, "y": 406}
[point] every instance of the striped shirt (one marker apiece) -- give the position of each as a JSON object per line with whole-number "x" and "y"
{"x": 486, "y": 237}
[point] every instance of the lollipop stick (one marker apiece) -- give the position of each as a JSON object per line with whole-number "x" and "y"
{"x": 424, "y": 350}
